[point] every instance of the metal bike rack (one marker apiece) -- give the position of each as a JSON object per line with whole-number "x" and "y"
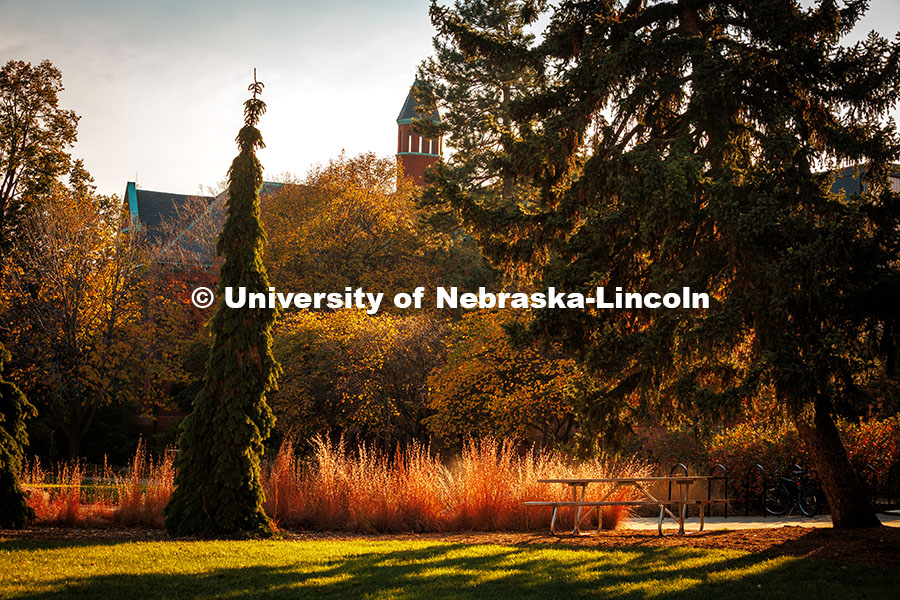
{"x": 761, "y": 496}
{"x": 672, "y": 474}
{"x": 724, "y": 477}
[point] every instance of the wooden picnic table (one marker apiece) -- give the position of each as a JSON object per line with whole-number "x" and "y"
{"x": 680, "y": 503}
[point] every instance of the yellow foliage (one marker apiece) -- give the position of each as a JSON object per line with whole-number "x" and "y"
{"x": 490, "y": 387}
{"x": 363, "y": 375}
{"x": 348, "y": 223}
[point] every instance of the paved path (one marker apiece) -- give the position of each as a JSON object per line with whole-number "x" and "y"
{"x": 742, "y": 522}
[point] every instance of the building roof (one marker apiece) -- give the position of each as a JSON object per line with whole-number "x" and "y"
{"x": 851, "y": 180}
{"x": 155, "y": 208}
{"x": 151, "y": 210}
{"x": 411, "y": 110}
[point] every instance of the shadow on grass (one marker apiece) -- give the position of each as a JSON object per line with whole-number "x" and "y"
{"x": 444, "y": 571}
{"x": 28, "y": 545}
{"x": 872, "y": 545}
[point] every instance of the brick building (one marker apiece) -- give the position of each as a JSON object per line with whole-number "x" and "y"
{"x": 415, "y": 153}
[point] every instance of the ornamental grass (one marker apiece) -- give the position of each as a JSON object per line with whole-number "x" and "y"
{"x": 335, "y": 487}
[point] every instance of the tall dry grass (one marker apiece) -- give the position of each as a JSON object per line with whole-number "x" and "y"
{"x": 144, "y": 492}
{"x": 482, "y": 489}
{"x": 348, "y": 489}
{"x": 63, "y": 495}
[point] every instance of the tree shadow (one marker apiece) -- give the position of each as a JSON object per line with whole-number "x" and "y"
{"x": 873, "y": 545}
{"x": 445, "y": 571}
{"x": 40, "y": 545}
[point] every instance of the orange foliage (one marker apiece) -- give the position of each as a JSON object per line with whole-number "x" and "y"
{"x": 144, "y": 492}
{"x": 482, "y": 489}
{"x": 347, "y": 223}
{"x": 362, "y": 489}
{"x": 613, "y": 517}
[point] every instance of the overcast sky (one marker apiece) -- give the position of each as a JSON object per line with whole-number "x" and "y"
{"x": 160, "y": 85}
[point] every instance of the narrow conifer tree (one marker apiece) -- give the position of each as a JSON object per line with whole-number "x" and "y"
{"x": 217, "y": 483}
{"x": 14, "y": 409}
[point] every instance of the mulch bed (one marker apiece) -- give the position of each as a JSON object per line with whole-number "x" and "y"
{"x": 876, "y": 546}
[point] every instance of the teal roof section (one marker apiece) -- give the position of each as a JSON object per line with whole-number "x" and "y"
{"x": 418, "y": 154}
{"x": 131, "y": 196}
{"x": 411, "y": 110}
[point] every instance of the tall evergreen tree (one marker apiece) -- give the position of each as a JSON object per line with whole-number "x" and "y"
{"x": 480, "y": 67}
{"x": 686, "y": 143}
{"x": 217, "y": 483}
{"x": 14, "y": 409}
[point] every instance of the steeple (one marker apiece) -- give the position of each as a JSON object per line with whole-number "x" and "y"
{"x": 415, "y": 152}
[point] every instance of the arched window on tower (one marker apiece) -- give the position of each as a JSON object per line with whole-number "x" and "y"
{"x": 409, "y": 143}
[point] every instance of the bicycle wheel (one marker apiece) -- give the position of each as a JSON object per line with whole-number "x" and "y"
{"x": 806, "y": 499}
{"x": 777, "y": 500}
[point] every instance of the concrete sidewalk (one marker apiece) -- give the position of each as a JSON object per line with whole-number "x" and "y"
{"x": 742, "y": 522}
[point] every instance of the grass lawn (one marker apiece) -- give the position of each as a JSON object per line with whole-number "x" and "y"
{"x": 417, "y": 569}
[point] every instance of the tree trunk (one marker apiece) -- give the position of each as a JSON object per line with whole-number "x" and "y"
{"x": 74, "y": 445}
{"x": 850, "y": 505}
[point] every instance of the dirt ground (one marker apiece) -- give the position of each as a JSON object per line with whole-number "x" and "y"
{"x": 876, "y": 546}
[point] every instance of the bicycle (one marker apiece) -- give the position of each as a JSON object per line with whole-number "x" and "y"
{"x": 789, "y": 493}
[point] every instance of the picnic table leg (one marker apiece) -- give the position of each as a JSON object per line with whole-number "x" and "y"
{"x": 662, "y": 515}
{"x": 553, "y": 521}
{"x": 685, "y": 490}
{"x": 577, "y": 529}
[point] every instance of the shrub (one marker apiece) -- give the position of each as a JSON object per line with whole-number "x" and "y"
{"x": 366, "y": 490}
{"x": 666, "y": 448}
{"x": 875, "y": 443}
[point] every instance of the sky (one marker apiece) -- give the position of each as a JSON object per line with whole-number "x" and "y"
{"x": 160, "y": 85}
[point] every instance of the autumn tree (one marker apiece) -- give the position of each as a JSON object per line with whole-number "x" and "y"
{"x": 354, "y": 222}
{"x": 358, "y": 375}
{"x": 35, "y": 135}
{"x": 490, "y": 386}
{"x": 688, "y": 144}
{"x": 217, "y": 482}
{"x": 155, "y": 376}
{"x": 72, "y": 292}
{"x": 350, "y": 222}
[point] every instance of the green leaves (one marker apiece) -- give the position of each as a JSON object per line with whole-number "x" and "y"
{"x": 671, "y": 144}
{"x": 14, "y": 409}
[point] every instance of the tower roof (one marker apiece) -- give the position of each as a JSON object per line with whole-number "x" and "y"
{"x": 411, "y": 110}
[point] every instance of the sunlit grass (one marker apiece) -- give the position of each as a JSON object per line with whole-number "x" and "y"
{"x": 417, "y": 569}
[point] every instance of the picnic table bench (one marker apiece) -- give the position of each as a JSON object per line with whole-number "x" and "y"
{"x": 680, "y": 504}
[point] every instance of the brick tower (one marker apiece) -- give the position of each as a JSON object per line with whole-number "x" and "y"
{"x": 416, "y": 153}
